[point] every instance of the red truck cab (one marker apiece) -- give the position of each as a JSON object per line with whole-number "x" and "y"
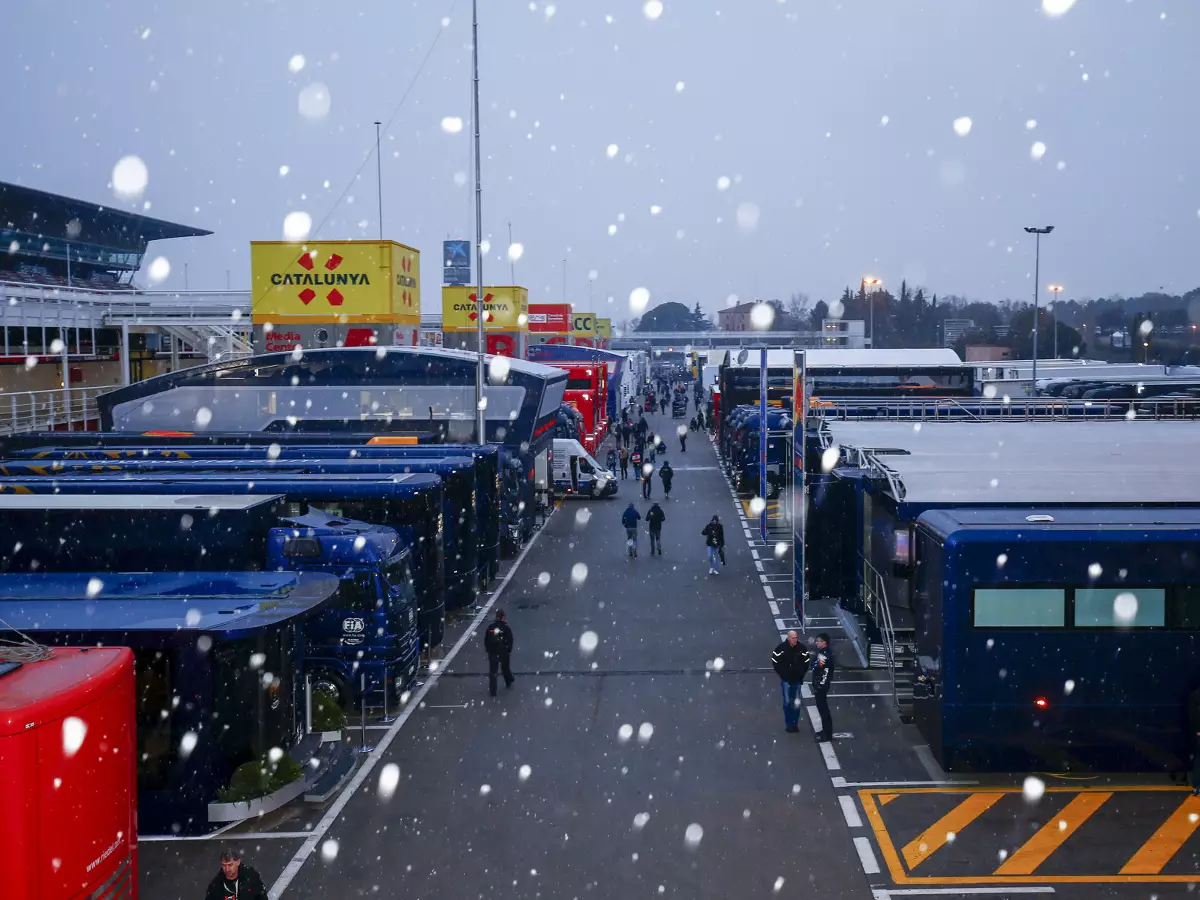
{"x": 587, "y": 391}
{"x": 68, "y": 754}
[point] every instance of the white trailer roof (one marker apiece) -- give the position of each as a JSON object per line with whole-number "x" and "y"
{"x": 197, "y": 502}
{"x": 853, "y": 358}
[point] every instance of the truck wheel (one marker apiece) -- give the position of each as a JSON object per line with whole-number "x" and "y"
{"x": 334, "y": 684}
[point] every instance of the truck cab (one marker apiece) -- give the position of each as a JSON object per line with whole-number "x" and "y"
{"x": 587, "y": 391}
{"x": 369, "y": 631}
{"x": 575, "y": 472}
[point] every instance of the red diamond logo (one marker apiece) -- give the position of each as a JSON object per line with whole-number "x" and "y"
{"x": 306, "y": 262}
{"x": 335, "y": 297}
{"x": 307, "y": 295}
{"x": 333, "y": 262}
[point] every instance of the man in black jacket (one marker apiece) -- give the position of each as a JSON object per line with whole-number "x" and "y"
{"x": 498, "y": 642}
{"x": 822, "y": 678}
{"x": 654, "y": 521}
{"x": 235, "y": 881}
{"x": 790, "y": 660}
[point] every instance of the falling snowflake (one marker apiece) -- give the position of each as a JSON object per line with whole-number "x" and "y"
{"x": 452, "y": 124}
{"x": 1125, "y": 608}
{"x": 639, "y": 299}
{"x": 624, "y": 733}
{"x": 543, "y": 579}
{"x": 515, "y": 252}
{"x": 588, "y": 642}
{"x": 962, "y": 126}
{"x": 498, "y": 369}
{"x": 645, "y": 732}
{"x": 579, "y": 573}
{"x": 693, "y": 835}
{"x": 1038, "y": 150}
{"x": 129, "y": 178}
{"x": 723, "y": 183}
{"x": 159, "y": 269}
{"x": 314, "y": 101}
{"x": 187, "y": 743}
{"x": 1033, "y": 789}
{"x": 612, "y": 150}
{"x": 653, "y": 9}
{"x": 757, "y": 506}
{"x": 296, "y": 63}
{"x": 485, "y": 789}
{"x": 329, "y": 851}
{"x": 296, "y": 226}
{"x": 74, "y": 730}
{"x": 94, "y": 587}
{"x": 1056, "y": 7}
{"x": 1095, "y": 570}
{"x": 640, "y": 820}
{"x": 718, "y": 664}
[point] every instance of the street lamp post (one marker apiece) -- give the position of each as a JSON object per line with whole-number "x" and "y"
{"x": 1055, "y": 289}
{"x": 1037, "y": 274}
{"x": 869, "y": 283}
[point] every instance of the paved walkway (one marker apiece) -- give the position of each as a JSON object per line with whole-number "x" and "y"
{"x": 654, "y": 765}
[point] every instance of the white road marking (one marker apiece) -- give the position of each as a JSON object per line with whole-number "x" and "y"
{"x": 335, "y": 810}
{"x": 753, "y": 552}
{"x": 770, "y": 594}
{"x": 850, "y": 811}
{"x": 774, "y": 607}
{"x": 781, "y": 625}
{"x": 807, "y": 694}
{"x": 882, "y": 894}
{"x": 758, "y": 564}
{"x": 814, "y": 717}
{"x": 831, "y": 760}
{"x": 841, "y": 782}
{"x": 866, "y": 855}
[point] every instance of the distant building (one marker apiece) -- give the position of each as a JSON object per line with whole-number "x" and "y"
{"x": 987, "y": 353}
{"x": 737, "y": 318}
{"x": 953, "y": 329}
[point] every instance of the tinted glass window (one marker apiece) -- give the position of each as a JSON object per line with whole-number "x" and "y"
{"x": 1185, "y": 606}
{"x": 1136, "y": 607}
{"x": 1020, "y": 607}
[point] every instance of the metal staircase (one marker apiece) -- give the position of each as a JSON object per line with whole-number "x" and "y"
{"x": 217, "y": 342}
{"x": 896, "y": 648}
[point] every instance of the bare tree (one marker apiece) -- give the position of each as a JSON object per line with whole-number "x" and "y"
{"x": 798, "y": 305}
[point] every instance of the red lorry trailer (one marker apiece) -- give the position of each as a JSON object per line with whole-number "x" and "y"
{"x": 68, "y": 764}
{"x": 587, "y": 391}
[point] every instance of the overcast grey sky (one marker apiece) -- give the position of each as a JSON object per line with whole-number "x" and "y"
{"x": 834, "y": 123}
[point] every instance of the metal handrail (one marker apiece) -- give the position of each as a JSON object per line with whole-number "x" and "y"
{"x": 883, "y": 618}
{"x": 1019, "y": 409}
{"x": 23, "y": 411}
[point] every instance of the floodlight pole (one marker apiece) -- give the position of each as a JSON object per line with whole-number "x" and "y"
{"x": 1037, "y": 274}
{"x": 480, "y": 306}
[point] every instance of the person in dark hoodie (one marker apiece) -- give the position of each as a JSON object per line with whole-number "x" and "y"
{"x": 630, "y": 519}
{"x": 654, "y": 522}
{"x": 235, "y": 881}
{"x": 714, "y": 540}
{"x": 822, "y": 678}
{"x": 667, "y": 474}
{"x": 791, "y": 661}
{"x": 498, "y": 642}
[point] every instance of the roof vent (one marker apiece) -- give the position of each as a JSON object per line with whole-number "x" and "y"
{"x": 1040, "y": 517}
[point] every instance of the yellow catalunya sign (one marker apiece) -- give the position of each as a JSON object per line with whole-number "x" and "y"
{"x": 335, "y": 281}
{"x": 507, "y": 309}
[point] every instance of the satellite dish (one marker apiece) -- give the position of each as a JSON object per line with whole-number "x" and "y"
{"x": 743, "y": 356}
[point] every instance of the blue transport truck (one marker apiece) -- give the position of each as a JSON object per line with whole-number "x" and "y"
{"x": 468, "y": 556}
{"x": 412, "y": 504}
{"x": 368, "y": 628}
{"x": 221, "y": 649}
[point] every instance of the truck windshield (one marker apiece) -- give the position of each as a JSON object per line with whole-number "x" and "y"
{"x": 398, "y": 577}
{"x": 357, "y": 592}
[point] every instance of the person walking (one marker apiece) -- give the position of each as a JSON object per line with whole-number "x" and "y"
{"x": 662, "y": 405}
{"x": 235, "y": 881}
{"x": 611, "y": 460}
{"x": 822, "y": 678}
{"x": 647, "y": 479}
{"x": 667, "y": 474}
{"x": 791, "y": 661}
{"x": 498, "y": 642}
{"x": 654, "y": 522}
{"x": 630, "y": 519}
{"x": 714, "y": 540}
{"x": 626, "y": 432}
{"x": 623, "y": 457}
{"x": 683, "y": 441}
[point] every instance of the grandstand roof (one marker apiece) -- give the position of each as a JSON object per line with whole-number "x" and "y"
{"x": 40, "y": 212}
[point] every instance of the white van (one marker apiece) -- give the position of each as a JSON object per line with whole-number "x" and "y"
{"x": 575, "y": 471}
